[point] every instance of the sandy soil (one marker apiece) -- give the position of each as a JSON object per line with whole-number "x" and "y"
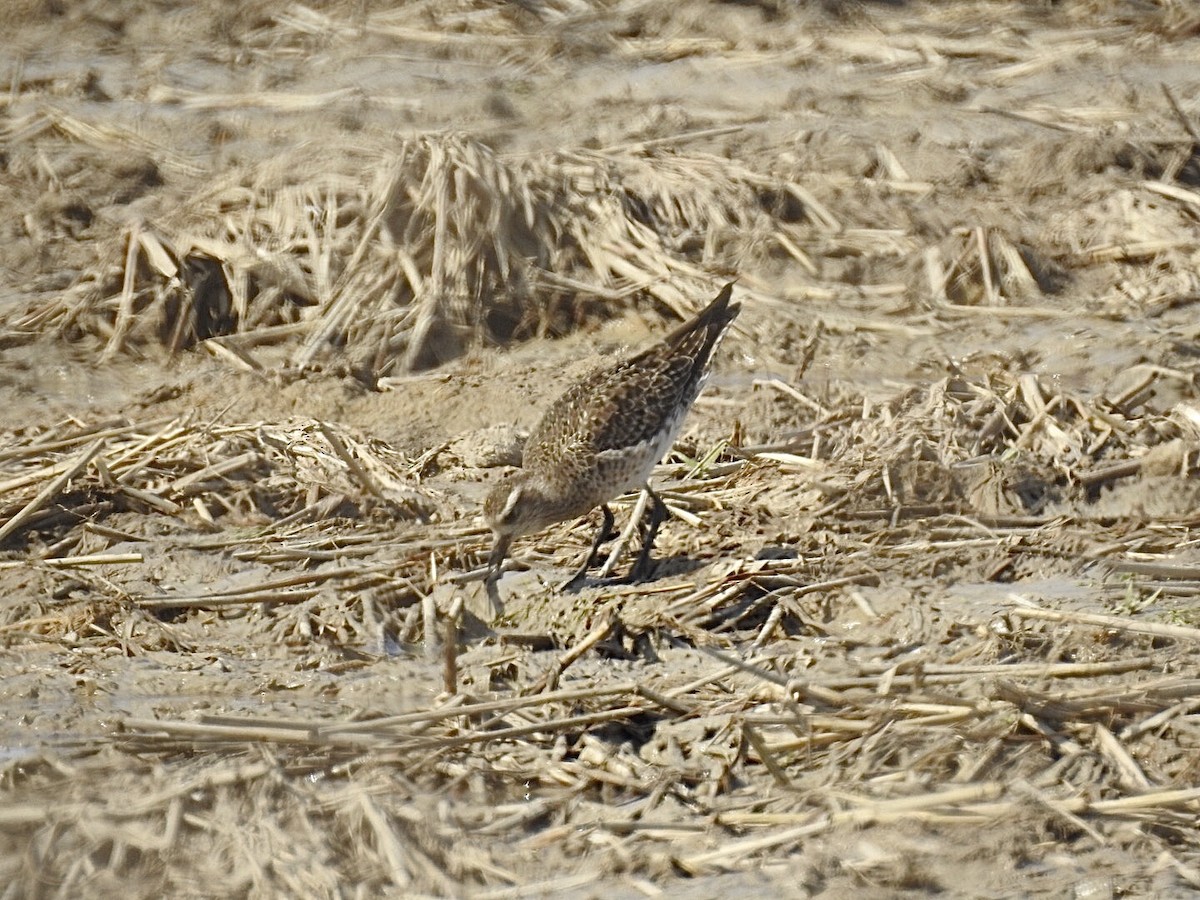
{"x": 963, "y": 387}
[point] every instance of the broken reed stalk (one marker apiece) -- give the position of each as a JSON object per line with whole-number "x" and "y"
{"x": 101, "y": 430}
{"x": 125, "y": 308}
{"x": 429, "y": 626}
{"x": 975, "y": 802}
{"x": 507, "y": 704}
{"x": 269, "y": 591}
{"x": 207, "y": 732}
{"x": 71, "y": 562}
{"x": 549, "y": 681}
{"x": 450, "y": 646}
{"x": 339, "y": 447}
{"x": 550, "y": 726}
{"x": 50, "y": 490}
{"x": 1117, "y": 623}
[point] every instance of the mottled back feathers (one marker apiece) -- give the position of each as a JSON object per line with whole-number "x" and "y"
{"x": 631, "y": 403}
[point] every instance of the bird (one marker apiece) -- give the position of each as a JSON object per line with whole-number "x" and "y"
{"x": 603, "y": 437}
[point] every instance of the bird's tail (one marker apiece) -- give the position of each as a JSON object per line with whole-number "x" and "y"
{"x": 708, "y": 326}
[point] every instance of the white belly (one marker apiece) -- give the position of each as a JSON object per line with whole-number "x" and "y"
{"x": 631, "y": 467}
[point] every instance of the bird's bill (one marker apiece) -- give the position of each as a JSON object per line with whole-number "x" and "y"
{"x": 499, "y": 551}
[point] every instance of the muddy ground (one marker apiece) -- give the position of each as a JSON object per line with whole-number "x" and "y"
{"x": 958, "y": 415}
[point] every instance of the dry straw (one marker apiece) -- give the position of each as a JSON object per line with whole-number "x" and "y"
{"x": 1057, "y": 718}
{"x": 402, "y": 260}
{"x": 783, "y": 696}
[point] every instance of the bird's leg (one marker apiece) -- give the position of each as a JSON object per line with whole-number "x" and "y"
{"x": 603, "y": 534}
{"x": 658, "y": 515}
{"x": 622, "y": 541}
{"x": 495, "y": 562}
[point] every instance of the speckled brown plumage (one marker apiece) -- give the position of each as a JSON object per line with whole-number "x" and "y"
{"x": 606, "y": 433}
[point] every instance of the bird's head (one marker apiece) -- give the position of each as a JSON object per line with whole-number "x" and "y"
{"x": 515, "y": 506}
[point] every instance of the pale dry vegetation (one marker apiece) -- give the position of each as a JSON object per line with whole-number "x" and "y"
{"x": 924, "y": 618}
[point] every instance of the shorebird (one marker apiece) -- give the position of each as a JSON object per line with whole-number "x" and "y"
{"x": 603, "y": 437}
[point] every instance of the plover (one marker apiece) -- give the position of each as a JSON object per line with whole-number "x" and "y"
{"x": 603, "y": 437}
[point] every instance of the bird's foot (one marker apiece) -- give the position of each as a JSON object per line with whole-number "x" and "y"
{"x": 642, "y": 570}
{"x": 574, "y": 583}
